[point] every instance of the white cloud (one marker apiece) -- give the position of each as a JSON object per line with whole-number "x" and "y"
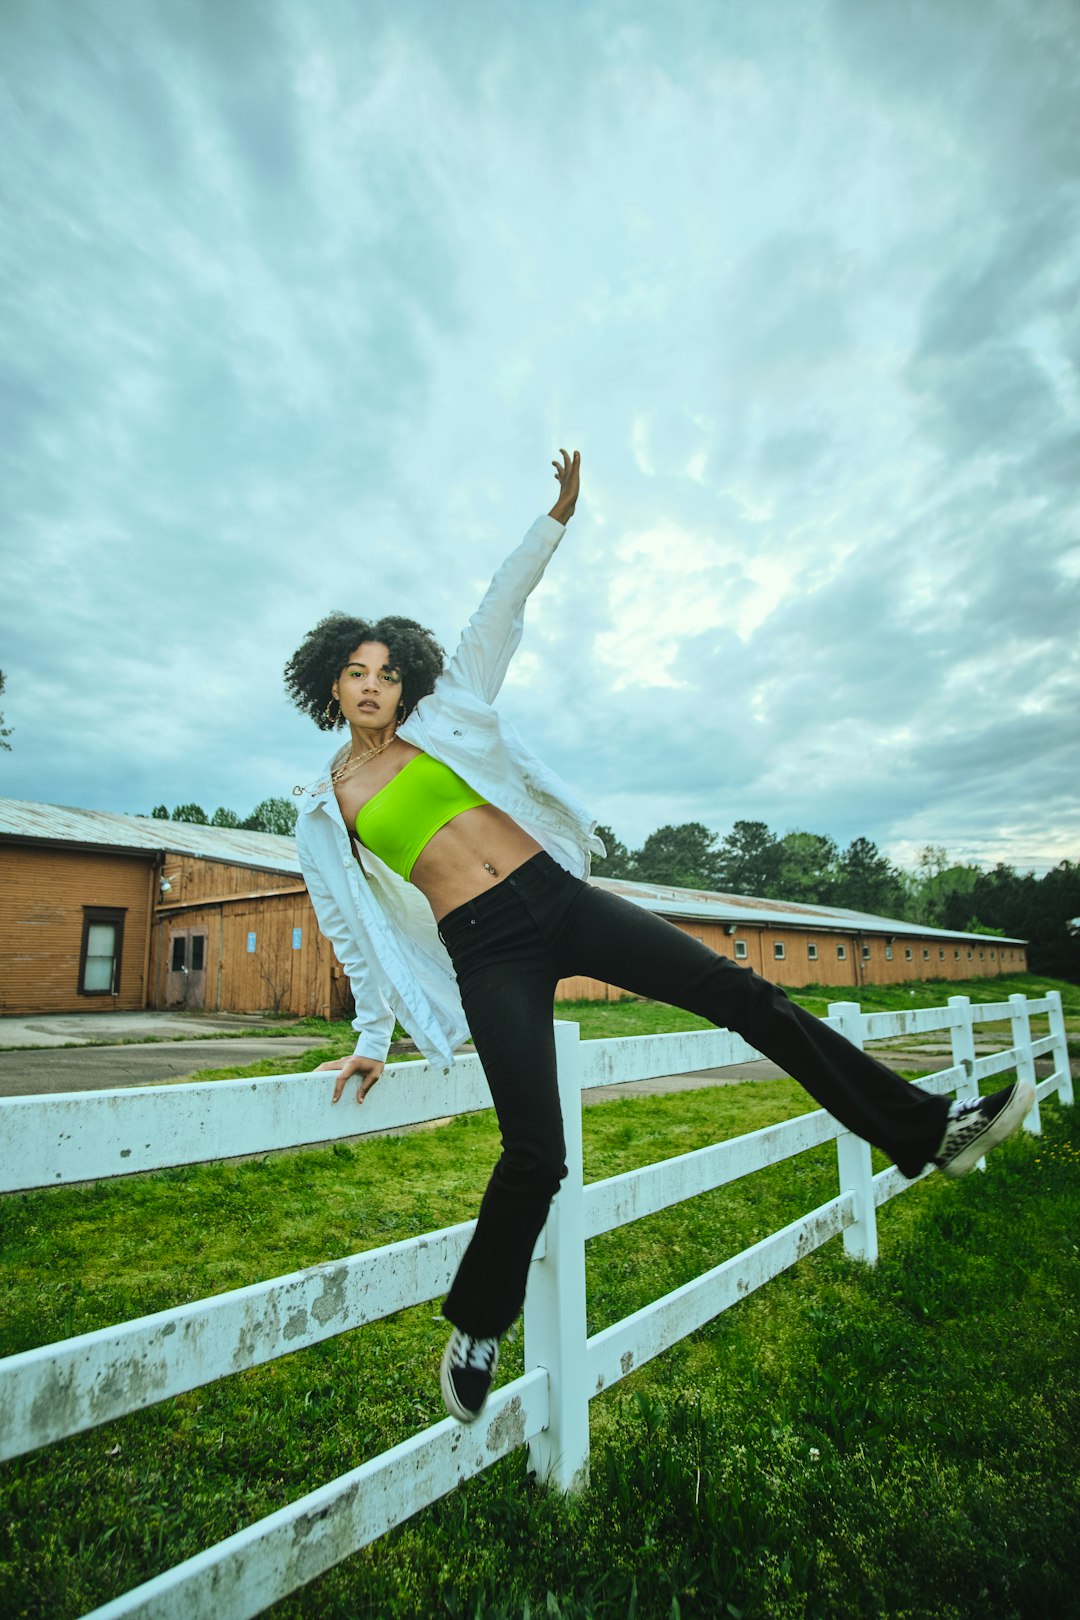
{"x": 305, "y": 308}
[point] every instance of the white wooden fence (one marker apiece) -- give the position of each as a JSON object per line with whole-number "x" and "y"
{"x": 62, "y": 1389}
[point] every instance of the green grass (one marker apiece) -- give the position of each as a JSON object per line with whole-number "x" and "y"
{"x": 899, "y": 1441}
{"x": 935, "y": 992}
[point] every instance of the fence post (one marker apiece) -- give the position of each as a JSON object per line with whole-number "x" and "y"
{"x": 1061, "y": 1047}
{"x": 1025, "y": 1062}
{"x": 962, "y": 1036}
{"x": 856, "y": 1169}
{"x": 555, "y": 1303}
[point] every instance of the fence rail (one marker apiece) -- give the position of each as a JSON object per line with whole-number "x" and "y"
{"x": 57, "y": 1390}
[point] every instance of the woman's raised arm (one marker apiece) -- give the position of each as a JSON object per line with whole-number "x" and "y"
{"x": 491, "y": 636}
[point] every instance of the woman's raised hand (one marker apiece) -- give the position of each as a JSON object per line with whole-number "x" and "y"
{"x": 568, "y": 472}
{"x": 369, "y": 1070}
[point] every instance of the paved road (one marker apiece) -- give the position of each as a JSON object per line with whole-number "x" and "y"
{"x": 109, "y": 1028}
{"x": 97, "y": 1068}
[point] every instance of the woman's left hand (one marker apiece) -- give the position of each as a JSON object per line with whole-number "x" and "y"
{"x": 569, "y": 476}
{"x": 367, "y": 1069}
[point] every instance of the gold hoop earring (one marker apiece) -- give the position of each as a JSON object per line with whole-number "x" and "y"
{"x": 402, "y": 712}
{"x": 329, "y": 718}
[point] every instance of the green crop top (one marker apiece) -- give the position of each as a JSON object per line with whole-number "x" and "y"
{"x": 399, "y": 821}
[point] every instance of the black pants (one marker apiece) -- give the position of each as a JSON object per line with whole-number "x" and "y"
{"x": 512, "y": 945}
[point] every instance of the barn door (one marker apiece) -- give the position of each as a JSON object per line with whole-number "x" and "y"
{"x": 185, "y": 983}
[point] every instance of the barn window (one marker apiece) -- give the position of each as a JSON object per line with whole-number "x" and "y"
{"x": 926, "y": 954}
{"x": 907, "y": 952}
{"x": 970, "y": 955}
{"x": 740, "y": 948}
{"x": 941, "y": 955}
{"x": 102, "y": 946}
{"x": 888, "y": 953}
{"x": 841, "y": 953}
{"x": 811, "y": 951}
{"x": 177, "y": 964}
{"x": 198, "y": 952}
{"x": 778, "y": 950}
{"x": 866, "y": 953}
{"x": 993, "y": 954}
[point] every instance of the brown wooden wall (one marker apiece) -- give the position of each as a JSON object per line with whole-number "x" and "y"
{"x": 272, "y": 978}
{"x": 193, "y": 877}
{"x": 42, "y": 894}
{"x": 930, "y": 959}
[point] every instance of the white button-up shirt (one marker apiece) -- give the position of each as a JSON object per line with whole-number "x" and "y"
{"x": 381, "y": 927}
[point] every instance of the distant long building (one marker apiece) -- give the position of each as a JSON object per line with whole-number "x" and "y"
{"x": 106, "y": 912}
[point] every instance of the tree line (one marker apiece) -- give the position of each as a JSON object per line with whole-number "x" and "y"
{"x": 269, "y": 816}
{"x": 811, "y": 868}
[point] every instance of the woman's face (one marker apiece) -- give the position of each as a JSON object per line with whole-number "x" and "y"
{"x": 369, "y": 688}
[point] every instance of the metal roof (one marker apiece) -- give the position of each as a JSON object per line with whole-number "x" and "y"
{"x": 106, "y": 829}
{"x": 703, "y": 906}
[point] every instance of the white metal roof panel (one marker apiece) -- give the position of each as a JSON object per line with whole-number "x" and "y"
{"x": 704, "y": 906}
{"x": 107, "y": 829}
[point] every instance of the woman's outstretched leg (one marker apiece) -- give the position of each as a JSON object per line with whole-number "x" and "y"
{"x": 609, "y": 938}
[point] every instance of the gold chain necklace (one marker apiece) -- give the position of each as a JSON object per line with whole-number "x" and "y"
{"x": 353, "y": 764}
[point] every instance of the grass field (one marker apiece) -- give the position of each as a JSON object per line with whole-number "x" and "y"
{"x": 900, "y": 1441}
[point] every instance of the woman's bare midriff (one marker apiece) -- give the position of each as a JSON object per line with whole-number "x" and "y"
{"x": 471, "y": 854}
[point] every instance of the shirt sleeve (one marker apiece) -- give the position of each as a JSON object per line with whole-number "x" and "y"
{"x": 491, "y": 636}
{"x": 374, "y": 1020}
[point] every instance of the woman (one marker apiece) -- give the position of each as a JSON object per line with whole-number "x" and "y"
{"x": 446, "y": 865}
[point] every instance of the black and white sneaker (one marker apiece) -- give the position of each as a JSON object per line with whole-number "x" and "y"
{"x": 980, "y": 1123}
{"x": 466, "y": 1375}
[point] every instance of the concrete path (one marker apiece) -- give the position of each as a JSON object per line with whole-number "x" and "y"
{"x": 99, "y": 1068}
{"x": 97, "y": 1051}
{"x": 84, "y": 1029}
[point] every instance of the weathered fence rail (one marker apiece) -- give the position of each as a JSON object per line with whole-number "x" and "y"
{"x": 63, "y": 1389}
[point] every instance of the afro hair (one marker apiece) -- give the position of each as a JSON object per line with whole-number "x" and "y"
{"x": 316, "y": 664}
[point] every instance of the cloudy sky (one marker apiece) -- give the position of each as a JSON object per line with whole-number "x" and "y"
{"x": 300, "y": 300}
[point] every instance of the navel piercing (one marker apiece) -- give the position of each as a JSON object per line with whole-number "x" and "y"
{"x": 489, "y": 868}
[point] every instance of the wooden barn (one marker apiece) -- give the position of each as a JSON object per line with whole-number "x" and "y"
{"x": 114, "y": 912}
{"x": 794, "y": 944}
